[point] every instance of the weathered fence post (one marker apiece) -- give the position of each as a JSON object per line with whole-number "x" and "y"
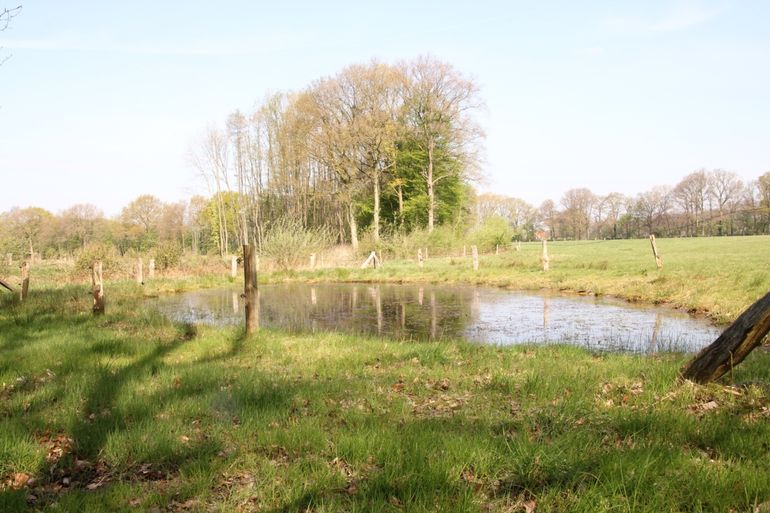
{"x": 151, "y": 269}
{"x": 419, "y": 257}
{"x": 497, "y": 249}
{"x": 426, "y": 253}
{"x": 9, "y": 258}
{"x": 733, "y": 345}
{"x": 475, "y": 255}
{"x": 312, "y": 261}
{"x": 250, "y": 289}
{"x": 372, "y": 260}
{"x": 97, "y": 287}
{"x": 658, "y": 260}
{"x": 234, "y": 266}
{"x": 139, "y": 271}
{"x": 24, "y": 281}
{"x": 544, "y": 259}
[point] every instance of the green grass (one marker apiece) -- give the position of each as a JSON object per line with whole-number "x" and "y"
{"x": 715, "y": 276}
{"x": 128, "y": 412}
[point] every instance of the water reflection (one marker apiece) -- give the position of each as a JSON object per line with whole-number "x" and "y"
{"x": 423, "y": 312}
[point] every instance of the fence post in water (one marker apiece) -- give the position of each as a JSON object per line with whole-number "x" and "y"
{"x": 419, "y": 257}
{"x": 658, "y": 260}
{"x": 97, "y": 286}
{"x": 151, "y": 269}
{"x": 250, "y": 289}
{"x": 234, "y": 266}
{"x": 475, "y": 254}
{"x": 24, "y": 281}
{"x": 139, "y": 271}
{"x": 544, "y": 259}
{"x": 312, "y": 261}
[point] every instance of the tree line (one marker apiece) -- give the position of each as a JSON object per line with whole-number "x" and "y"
{"x": 704, "y": 203}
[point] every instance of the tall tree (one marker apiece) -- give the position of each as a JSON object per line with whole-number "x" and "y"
{"x": 691, "y": 194}
{"x": 439, "y": 104}
{"x": 578, "y": 205}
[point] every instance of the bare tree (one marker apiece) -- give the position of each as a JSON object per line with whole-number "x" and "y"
{"x": 724, "y": 187}
{"x": 211, "y": 158}
{"x": 578, "y": 205}
{"x": 652, "y": 207}
{"x": 6, "y": 15}
{"x": 691, "y": 194}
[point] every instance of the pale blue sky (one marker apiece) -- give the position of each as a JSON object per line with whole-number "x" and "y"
{"x": 100, "y": 100}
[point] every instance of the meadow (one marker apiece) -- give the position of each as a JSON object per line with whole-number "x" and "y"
{"x": 130, "y": 412}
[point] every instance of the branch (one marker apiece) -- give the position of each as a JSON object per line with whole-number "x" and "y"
{"x": 6, "y": 15}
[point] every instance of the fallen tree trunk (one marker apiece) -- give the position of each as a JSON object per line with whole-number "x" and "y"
{"x": 6, "y": 285}
{"x": 732, "y": 346}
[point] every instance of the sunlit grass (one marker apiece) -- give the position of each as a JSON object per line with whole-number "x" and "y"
{"x": 147, "y": 415}
{"x": 718, "y": 276}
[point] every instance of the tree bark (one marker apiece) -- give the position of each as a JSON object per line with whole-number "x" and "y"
{"x": 732, "y": 346}
{"x": 376, "y": 231}
{"x": 431, "y": 192}
{"x": 400, "y": 207}
{"x": 353, "y": 227}
{"x": 250, "y": 289}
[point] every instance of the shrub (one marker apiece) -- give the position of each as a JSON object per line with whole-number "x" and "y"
{"x": 289, "y": 244}
{"x": 167, "y": 255}
{"x": 96, "y": 251}
{"x": 495, "y": 231}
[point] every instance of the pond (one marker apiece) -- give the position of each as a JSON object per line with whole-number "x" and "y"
{"x": 429, "y": 312}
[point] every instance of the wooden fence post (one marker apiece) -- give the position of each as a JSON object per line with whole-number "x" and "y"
{"x": 312, "y": 261}
{"x": 497, "y": 249}
{"x": 234, "y": 266}
{"x": 250, "y": 289}
{"x": 426, "y": 253}
{"x": 9, "y": 259}
{"x": 464, "y": 252}
{"x": 475, "y": 254}
{"x": 97, "y": 287}
{"x": 139, "y": 271}
{"x": 658, "y": 260}
{"x": 24, "y": 281}
{"x": 544, "y": 259}
{"x": 151, "y": 269}
{"x": 419, "y": 257}
{"x": 372, "y": 260}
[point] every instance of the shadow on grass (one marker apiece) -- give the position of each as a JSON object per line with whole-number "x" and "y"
{"x": 98, "y": 364}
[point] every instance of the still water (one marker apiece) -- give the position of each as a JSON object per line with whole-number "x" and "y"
{"x": 424, "y": 312}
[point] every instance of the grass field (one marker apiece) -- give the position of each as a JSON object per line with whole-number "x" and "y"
{"x": 717, "y": 276}
{"x": 129, "y": 412}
